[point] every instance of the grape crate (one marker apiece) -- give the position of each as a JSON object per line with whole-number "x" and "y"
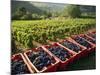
{"x": 60, "y": 52}
{"x": 40, "y": 59}
{"x": 71, "y": 46}
{"x": 82, "y": 41}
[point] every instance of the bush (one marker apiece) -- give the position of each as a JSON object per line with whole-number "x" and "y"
{"x": 35, "y": 16}
{"x": 27, "y": 16}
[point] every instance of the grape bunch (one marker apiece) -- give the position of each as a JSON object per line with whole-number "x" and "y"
{"x": 18, "y": 67}
{"x": 60, "y": 52}
{"x": 82, "y": 41}
{"x": 90, "y": 40}
{"x": 40, "y": 59}
{"x": 92, "y": 35}
{"x": 71, "y": 46}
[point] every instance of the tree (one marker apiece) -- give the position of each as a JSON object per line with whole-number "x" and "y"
{"x": 35, "y": 16}
{"x": 72, "y": 11}
{"x": 48, "y": 14}
{"x": 27, "y": 16}
{"x": 20, "y": 12}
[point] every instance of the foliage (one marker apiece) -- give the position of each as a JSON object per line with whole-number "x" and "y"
{"x": 41, "y": 30}
{"x": 72, "y": 11}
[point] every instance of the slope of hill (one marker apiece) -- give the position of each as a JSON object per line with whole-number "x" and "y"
{"x": 54, "y": 7}
{"x": 30, "y": 7}
{"x": 37, "y": 7}
{"x": 43, "y": 7}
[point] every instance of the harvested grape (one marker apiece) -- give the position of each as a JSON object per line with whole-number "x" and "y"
{"x": 92, "y": 35}
{"x": 90, "y": 40}
{"x": 40, "y": 59}
{"x": 60, "y": 52}
{"x": 19, "y": 67}
{"x": 82, "y": 41}
{"x": 71, "y": 46}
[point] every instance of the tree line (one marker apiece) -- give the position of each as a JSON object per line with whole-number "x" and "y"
{"x": 22, "y": 13}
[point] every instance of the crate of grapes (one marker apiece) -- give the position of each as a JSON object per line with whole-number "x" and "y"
{"x": 69, "y": 44}
{"x": 19, "y": 65}
{"x": 92, "y": 35}
{"x": 83, "y": 42}
{"x": 41, "y": 61}
{"x": 63, "y": 55}
{"x": 90, "y": 40}
{"x": 93, "y": 41}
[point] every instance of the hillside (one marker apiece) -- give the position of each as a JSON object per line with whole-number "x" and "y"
{"x": 37, "y": 7}
{"x": 42, "y": 8}
{"x": 30, "y": 7}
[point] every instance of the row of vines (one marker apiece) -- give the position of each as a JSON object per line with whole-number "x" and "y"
{"x": 41, "y": 30}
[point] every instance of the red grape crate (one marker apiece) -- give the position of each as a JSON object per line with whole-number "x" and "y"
{"x": 92, "y": 35}
{"x": 41, "y": 61}
{"x": 19, "y": 65}
{"x": 73, "y": 47}
{"x": 83, "y": 42}
{"x": 62, "y": 54}
{"x": 90, "y": 40}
